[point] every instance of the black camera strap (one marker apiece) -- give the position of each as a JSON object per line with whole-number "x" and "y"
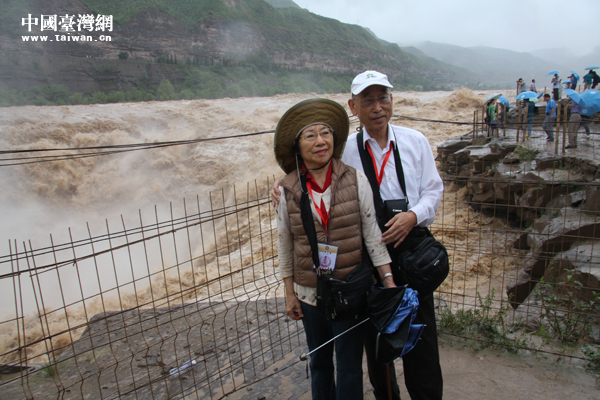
{"x": 369, "y": 168}
{"x": 308, "y": 222}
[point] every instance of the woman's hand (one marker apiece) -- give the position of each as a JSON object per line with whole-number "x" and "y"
{"x": 275, "y": 193}
{"x": 389, "y": 282}
{"x": 293, "y": 307}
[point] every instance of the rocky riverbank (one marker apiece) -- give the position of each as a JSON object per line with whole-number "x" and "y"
{"x": 553, "y": 197}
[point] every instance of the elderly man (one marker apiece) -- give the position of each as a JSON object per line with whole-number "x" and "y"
{"x": 372, "y": 102}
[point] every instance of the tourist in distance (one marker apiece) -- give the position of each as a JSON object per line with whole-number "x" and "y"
{"x": 530, "y": 104}
{"x": 548, "y": 125}
{"x": 372, "y": 102}
{"x": 588, "y": 79}
{"x": 556, "y": 87}
{"x": 309, "y": 140}
{"x": 574, "y": 123}
{"x": 574, "y": 79}
{"x": 491, "y": 117}
{"x": 521, "y": 87}
{"x": 595, "y": 79}
{"x": 532, "y": 87}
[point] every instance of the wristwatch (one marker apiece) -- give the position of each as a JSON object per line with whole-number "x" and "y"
{"x": 387, "y": 275}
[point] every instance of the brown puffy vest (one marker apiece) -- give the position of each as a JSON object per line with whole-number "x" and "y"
{"x": 345, "y": 230}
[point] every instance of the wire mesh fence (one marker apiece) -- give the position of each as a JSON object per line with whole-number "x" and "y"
{"x": 186, "y": 303}
{"x": 120, "y": 313}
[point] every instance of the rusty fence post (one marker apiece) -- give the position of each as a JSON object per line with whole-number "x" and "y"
{"x": 525, "y": 110}
{"x": 474, "y": 122}
{"x": 504, "y": 112}
{"x": 557, "y": 128}
{"x": 519, "y": 119}
{"x": 565, "y": 123}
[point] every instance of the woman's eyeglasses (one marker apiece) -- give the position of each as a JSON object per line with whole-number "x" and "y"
{"x": 311, "y": 136}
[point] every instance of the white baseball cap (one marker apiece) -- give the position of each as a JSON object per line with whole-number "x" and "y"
{"x": 369, "y": 78}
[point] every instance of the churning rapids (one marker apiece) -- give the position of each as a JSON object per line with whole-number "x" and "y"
{"x": 46, "y": 198}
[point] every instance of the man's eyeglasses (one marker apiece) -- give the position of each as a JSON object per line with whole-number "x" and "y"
{"x": 311, "y": 136}
{"x": 369, "y": 101}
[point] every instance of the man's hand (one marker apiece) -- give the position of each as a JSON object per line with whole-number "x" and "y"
{"x": 399, "y": 227}
{"x": 293, "y": 307}
{"x": 275, "y": 193}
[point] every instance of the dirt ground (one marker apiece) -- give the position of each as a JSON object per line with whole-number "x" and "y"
{"x": 468, "y": 375}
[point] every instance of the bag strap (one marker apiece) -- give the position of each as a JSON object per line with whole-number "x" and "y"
{"x": 369, "y": 168}
{"x": 309, "y": 226}
{"x": 367, "y": 163}
{"x": 308, "y": 222}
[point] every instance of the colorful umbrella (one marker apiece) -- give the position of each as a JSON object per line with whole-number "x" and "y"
{"x": 553, "y": 72}
{"x": 592, "y": 67}
{"x": 575, "y": 74}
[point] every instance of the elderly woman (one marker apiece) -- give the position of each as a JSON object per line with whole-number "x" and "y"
{"x": 309, "y": 141}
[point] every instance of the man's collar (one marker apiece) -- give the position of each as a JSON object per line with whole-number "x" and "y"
{"x": 391, "y": 137}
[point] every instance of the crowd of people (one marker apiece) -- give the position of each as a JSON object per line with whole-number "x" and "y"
{"x": 590, "y": 81}
{"x": 576, "y": 119}
{"x": 329, "y": 184}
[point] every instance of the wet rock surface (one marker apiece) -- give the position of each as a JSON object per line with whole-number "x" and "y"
{"x": 552, "y": 191}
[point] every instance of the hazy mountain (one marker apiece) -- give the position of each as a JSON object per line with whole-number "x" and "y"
{"x": 282, "y": 3}
{"x": 560, "y": 55}
{"x": 501, "y": 66}
{"x": 592, "y": 58}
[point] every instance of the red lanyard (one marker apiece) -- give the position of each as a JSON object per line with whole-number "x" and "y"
{"x": 321, "y": 210}
{"x": 385, "y": 160}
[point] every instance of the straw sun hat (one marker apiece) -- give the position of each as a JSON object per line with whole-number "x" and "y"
{"x": 300, "y": 116}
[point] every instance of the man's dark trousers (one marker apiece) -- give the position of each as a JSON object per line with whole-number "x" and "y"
{"x": 422, "y": 371}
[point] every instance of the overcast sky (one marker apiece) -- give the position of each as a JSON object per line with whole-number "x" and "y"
{"x": 519, "y": 25}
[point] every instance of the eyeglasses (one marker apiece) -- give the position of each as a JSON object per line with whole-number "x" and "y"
{"x": 369, "y": 101}
{"x": 311, "y": 136}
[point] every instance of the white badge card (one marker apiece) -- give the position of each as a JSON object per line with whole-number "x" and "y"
{"x": 327, "y": 257}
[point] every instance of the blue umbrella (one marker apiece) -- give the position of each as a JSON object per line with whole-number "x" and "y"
{"x": 504, "y": 101}
{"x": 592, "y": 67}
{"x": 526, "y": 95}
{"x": 575, "y": 74}
{"x": 573, "y": 95}
{"x": 591, "y": 94}
{"x": 553, "y": 72}
{"x": 591, "y": 97}
{"x": 589, "y": 111}
{"x": 392, "y": 311}
{"x": 588, "y": 100}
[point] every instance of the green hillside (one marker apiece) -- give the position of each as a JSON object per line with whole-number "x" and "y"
{"x": 194, "y": 53}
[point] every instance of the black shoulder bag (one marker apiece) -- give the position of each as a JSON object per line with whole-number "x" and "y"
{"x": 421, "y": 262}
{"x": 337, "y": 299}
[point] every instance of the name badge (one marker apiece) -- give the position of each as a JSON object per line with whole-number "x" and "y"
{"x": 327, "y": 257}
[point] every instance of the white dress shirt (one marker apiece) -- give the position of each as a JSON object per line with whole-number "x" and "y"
{"x": 423, "y": 182}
